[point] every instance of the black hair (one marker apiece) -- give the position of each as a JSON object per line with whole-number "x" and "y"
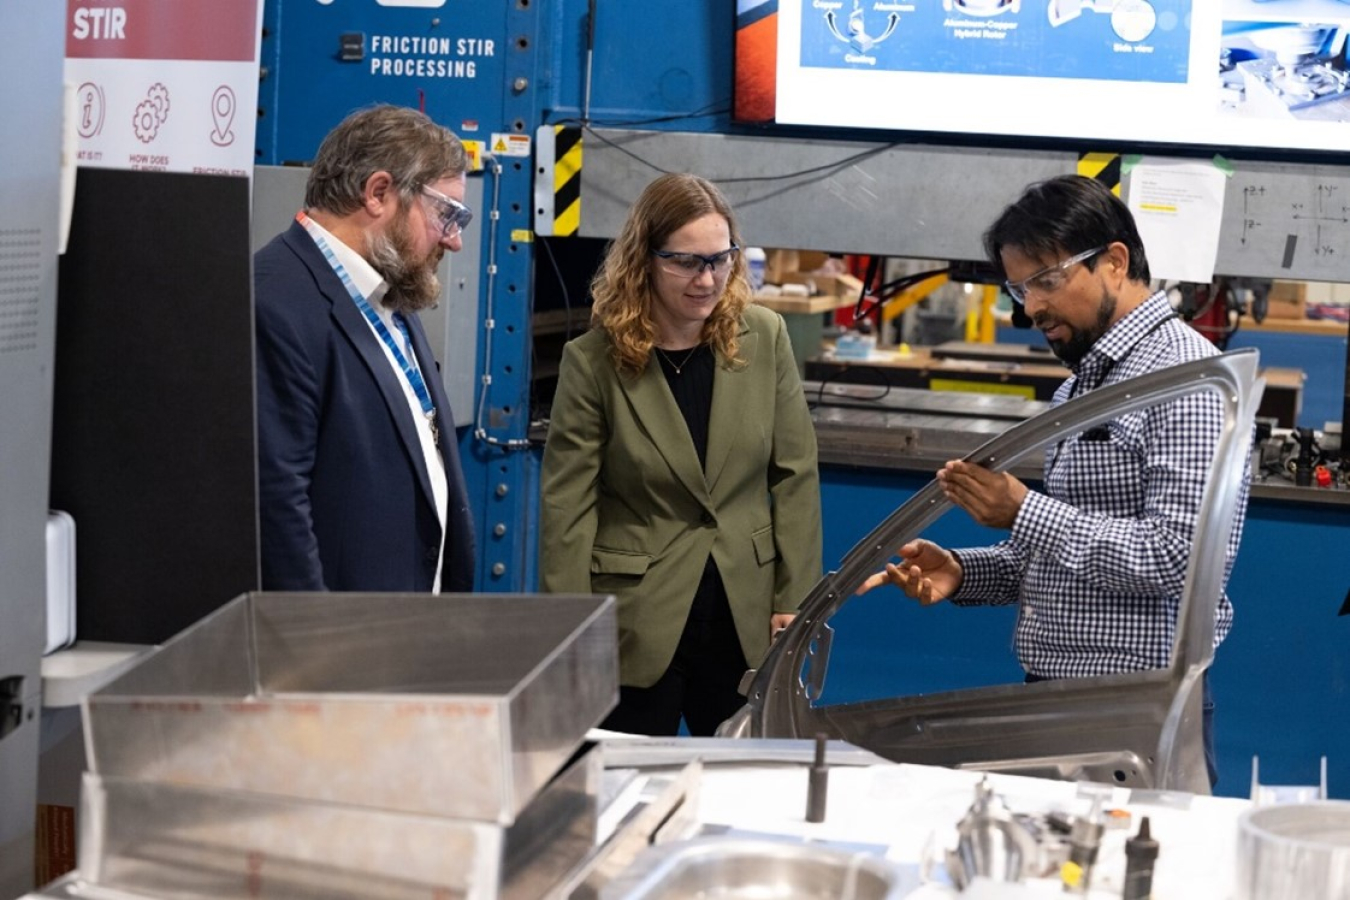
{"x": 1067, "y": 215}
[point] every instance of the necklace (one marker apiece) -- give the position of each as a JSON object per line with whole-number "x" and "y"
{"x": 678, "y": 367}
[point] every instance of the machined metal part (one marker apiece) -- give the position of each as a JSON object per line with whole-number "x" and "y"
{"x": 1294, "y": 850}
{"x": 1141, "y": 729}
{"x": 991, "y": 842}
{"x": 667, "y": 813}
{"x": 661, "y": 751}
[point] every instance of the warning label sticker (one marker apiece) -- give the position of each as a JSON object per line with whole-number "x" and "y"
{"x": 510, "y": 144}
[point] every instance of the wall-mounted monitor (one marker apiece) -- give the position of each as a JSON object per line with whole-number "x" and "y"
{"x": 1222, "y": 73}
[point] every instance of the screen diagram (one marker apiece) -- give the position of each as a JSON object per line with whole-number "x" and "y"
{"x": 1177, "y": 72}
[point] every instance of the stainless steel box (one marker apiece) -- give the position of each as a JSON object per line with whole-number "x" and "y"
{"x": 457, "y": 705}
{"x": 150, "y": 839}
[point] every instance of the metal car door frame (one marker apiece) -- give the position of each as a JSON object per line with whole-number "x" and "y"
{"x": 1140, "y": 729}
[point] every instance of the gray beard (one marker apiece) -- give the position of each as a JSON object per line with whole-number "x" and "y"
{"x": 413, "y": 285}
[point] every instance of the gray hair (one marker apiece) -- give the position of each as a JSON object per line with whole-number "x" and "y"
{"x": 407, "y": 144}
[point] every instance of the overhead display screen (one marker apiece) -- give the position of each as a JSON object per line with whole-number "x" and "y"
{"x": 1226, "y": 73}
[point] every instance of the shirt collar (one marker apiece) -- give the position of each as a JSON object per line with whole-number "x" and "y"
{"x": 369, "y": 282}
{"x": 1121, "y": 337}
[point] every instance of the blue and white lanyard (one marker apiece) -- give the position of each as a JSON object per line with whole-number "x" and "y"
{"x": 410, "y": 370}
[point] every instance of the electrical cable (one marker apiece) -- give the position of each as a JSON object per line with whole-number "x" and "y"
{"x": 480, "y": 433}
{"x": 717, "y": 107}
{"x": 889, "y": 291}
{"x": 813, "y": 170}
{"x": 873, "y": 264}
{"x": 590, "y": 59}
{"x": 562, "y": 285}
{"x": 838, "y": 373}
{"x": 567, "y": 307}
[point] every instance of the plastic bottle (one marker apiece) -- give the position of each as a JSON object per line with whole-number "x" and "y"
{"x": 756, "y": 261}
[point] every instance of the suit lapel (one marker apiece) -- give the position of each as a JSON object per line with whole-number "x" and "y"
{"x": 656, "y": 411}
{"x": 727, "y": 420}
{"x": 363, "y": 341}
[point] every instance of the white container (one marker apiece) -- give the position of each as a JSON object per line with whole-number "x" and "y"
{"x": 756, "y": 261}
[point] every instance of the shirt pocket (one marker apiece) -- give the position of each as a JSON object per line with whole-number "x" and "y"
{"x": 1104, "y": 473}
{"x": 766, "y": 548}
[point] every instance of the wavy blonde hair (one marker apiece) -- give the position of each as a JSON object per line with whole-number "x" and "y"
{"x": 623, "y": 288}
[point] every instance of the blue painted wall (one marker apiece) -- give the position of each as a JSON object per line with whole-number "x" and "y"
{"x": 1322, "y": 359}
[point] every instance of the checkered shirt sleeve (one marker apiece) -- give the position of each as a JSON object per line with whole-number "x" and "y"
{"x": 1098, "y": 559}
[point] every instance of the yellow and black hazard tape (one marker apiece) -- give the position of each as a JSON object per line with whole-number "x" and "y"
{"x": 566, "y": 180}
{"x": 1105, "y": 167}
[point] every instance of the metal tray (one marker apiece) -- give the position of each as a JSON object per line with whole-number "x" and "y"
{"x": 756, "y": 869}
{"x": 152, "y": 839}
{"x": 458, "y": 705}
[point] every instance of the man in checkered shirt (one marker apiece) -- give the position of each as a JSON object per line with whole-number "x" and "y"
{"x": 1098, "y": 558}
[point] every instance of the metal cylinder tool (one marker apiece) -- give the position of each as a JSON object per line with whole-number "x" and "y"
{"x": 818, "y": 784}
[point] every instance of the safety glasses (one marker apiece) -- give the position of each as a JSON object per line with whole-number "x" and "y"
{"x": 691, "y": 265}
{"x": 1049, "y": 279}
{"x": 452, "y": 216}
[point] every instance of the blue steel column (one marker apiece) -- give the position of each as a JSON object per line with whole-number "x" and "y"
{"x": 495, "y": 449}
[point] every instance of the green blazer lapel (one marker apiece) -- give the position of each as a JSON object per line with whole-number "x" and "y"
{"x": 655, "y": 410}
{"x": 731, "y": 409}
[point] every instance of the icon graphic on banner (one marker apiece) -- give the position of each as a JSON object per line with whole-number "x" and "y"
{"x": 90, "y": 107}
{"x": 151, "y": 113}
{"x": 222, "y": 113}
{"x": 857, "y": 37}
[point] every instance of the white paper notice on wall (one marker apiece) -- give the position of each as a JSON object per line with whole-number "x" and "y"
{"x": 1178, "y": 206}
{"x": 165, "y": 85}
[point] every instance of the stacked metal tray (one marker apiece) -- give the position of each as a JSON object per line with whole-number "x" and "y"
{"x": 345, "y": 745}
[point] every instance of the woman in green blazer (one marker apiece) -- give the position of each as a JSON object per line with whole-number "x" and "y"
{"x": 680, "y": 469}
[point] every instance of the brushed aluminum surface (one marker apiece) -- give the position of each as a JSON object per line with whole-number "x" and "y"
{"x": 452, "y": 705}
{"x": 756, "y": 869}
{"x": 167, "y": 841}
{"x": 1294, "y": 850}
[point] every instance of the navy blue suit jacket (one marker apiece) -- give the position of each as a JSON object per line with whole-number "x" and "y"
{"x": 344, "y": 499}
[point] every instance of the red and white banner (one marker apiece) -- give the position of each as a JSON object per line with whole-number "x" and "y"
{"x": 165, "y": 85}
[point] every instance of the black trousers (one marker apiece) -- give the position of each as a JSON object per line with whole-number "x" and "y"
{"x": 700, "y": 686}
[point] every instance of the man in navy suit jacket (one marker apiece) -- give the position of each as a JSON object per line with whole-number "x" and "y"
{"x": 360, "y": 485}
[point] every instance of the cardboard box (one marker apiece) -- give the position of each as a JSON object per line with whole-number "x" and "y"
{"x": 1287, "y": 300}
{"x": 825, "y": 285}
{"x": 779, "y": 264}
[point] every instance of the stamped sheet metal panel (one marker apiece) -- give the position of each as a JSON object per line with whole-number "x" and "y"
{"x": 457, "y": 705}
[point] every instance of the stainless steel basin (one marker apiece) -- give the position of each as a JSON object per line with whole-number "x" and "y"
{"x": 754, "y": 869}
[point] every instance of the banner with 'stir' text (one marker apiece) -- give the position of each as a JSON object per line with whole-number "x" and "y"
{"x": 164, "y": 85}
